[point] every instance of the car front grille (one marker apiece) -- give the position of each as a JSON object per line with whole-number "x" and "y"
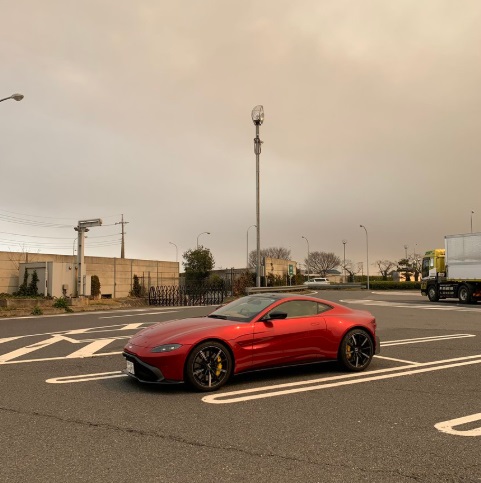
{"x": 144, "y": 372}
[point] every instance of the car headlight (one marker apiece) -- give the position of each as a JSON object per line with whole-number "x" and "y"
{"x": 165, "y": 348}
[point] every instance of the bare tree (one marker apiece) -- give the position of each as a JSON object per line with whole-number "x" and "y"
{"x": 271, "y": 252}
{"x": 385, "y": 266}
{"x": 21, "y": 256}
{"x": 322, "y": 262}
{"x": 352, "y": 269}
{"x": 416, "y": 261}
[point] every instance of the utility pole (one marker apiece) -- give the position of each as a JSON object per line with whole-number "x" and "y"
{"x": 122, "y": 248}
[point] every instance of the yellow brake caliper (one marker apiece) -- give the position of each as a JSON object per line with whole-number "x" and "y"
{"x": 219, "y": 366}
{"x": 348, "y": 351}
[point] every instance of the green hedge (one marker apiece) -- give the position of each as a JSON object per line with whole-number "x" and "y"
{"x": 394, "y": 285}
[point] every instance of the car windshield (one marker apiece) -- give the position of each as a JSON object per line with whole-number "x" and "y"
{"x": 243, "y": 309}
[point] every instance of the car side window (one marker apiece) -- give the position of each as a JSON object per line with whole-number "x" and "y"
{"x": 298, "y": 308}
{"x": 322, "y": 308}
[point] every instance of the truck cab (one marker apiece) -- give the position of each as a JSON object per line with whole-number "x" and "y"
{"x": 433, "y": 263}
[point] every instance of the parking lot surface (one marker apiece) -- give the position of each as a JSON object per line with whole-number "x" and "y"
{"x": 69, "y": 413}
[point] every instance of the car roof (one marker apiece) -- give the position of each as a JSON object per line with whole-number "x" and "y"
{"x": 279, "y": 295}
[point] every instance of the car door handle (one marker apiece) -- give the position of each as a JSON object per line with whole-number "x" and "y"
{"x": 315, "y": 323}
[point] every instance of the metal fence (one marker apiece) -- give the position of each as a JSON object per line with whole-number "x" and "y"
{"x": 184, "y": 295}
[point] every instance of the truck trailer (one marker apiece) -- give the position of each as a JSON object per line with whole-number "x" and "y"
{"x": 455, "y": 271}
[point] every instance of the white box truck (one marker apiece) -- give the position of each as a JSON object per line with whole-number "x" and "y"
{"x": 455, "y": 271}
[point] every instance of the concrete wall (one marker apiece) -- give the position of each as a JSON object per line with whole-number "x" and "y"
{"x": 115, "y": 274}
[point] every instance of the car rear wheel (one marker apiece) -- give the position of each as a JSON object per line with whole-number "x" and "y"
{"x": 208, "y": 366}
{"x": 356, "y": 350}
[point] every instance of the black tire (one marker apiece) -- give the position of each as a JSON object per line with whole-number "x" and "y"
{"x": 356, "y": 350}
{"x": 208, "y": 366}
{"x": 433, "y": 294}
{"x": 465, "y": 294}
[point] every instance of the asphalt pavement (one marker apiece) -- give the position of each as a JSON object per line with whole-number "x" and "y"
{"x": 69, "y": 414}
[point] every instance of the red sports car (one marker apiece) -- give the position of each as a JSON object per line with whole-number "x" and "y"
{"x": 254, "y": 332}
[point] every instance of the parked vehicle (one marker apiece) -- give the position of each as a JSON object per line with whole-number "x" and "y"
{"x": 455, "y": 271}
{"x": 317, "y": 281}
{"x": 251, "y": 333}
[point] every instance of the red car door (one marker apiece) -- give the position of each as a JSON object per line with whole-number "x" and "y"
{"x": 294, "y": 338}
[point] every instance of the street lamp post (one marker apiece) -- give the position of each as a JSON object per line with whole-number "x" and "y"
{"x": 204, "y": 232}
{"x": 472, "y": 213}
{"x": 308, "y": 255}
{"x": 15, "y": 97}
{"x": 406, "y": 251}
{"x": 177, "y": 250}
{"x": 367, "y": 252}
{"x": 247, "y": 265}
{"x": 344, "y": 267}
{"x": 258, "y": 118}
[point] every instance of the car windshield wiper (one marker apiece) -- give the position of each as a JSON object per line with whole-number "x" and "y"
{"x": 215, "y": 316}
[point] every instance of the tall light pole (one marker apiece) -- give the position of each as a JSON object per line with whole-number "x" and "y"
{"x": 344, "y": 268}
{"x": 247, "y": 263}
{"x": 367, "y": 252}
{"x": 308, "y": 255}
{"x": 82, "y": 228}
{"x": 204, "y": 232}
{"x": 472, "y": 213}
{"x": 15, "y": 97}
{"x": 177, "y": 250}
{"x": 258, "y": 118}
{"x": 406, "y": 251}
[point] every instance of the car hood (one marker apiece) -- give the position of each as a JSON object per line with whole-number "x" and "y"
{"x": 181, "y": 331}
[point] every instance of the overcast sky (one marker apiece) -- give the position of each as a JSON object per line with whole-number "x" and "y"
{"x": 372, "y": 116}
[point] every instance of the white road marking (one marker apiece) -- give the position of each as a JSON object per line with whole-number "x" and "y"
{"x": 382, "y": 374}
{"x": 31, "y": 348}
{"x": 61, "y": 358}
{"x": 404, "y": 305}
{"x": 90, "y": 349}
{"x": 448, "y": 426}
{"x": 397, "y": 360}
{"x": 407, "y": 293}
{"x": 8, "y": 339}
{"x": 425, "y": 339}
{"x": 88, "y": 330}
{"x": 86, "y": 377}
{"x": 137, "y": 315}
{"x": 132, "y": 326}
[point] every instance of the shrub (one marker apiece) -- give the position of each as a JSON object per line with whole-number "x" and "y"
{"x": 28, "y": 289}
{"x": 246, "y": 279}
{"x": 62, "y": 303}
{"x": 32, "y": 286}
{"x": 23, "y": 289}
{"x": 136, "y": 288}
{"x": 380, "y": 285}
{"x": 37, "y": 310}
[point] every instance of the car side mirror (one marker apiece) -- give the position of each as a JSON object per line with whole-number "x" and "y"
{"x": 275, "y": 316}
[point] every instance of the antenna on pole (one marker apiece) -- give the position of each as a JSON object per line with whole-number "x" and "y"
{"x": 122, "y": 248}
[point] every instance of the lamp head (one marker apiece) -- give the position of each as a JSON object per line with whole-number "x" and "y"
{"x": 17, "y": 97}
{"x": 258, "y": 115}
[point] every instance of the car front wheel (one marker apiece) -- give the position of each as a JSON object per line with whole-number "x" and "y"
{"x": 356, "y": 350}
{"x": 208, "y": 366}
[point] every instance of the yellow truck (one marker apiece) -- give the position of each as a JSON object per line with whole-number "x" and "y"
{"x": 455, "y": 270}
